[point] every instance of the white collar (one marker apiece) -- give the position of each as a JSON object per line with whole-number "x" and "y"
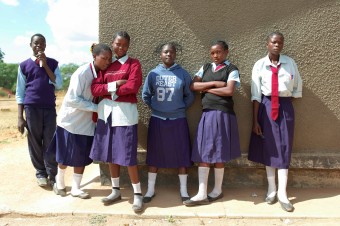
{"x": 226, "y": 62}
{"x": 121, "y": 60}
{"x": 93, "y": 69}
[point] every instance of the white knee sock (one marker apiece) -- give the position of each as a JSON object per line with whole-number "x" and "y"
{"x": 203, "y": 174}
{"x": 138, "y": 199}
{"x": 60, "y": 178}
{"x": 283, "y": 178}
{"x": 183, "y": 185}
{"x": 219, "y": 172}
{"x": 76, "y": 184}
{"x": 151, "y": 184}
{"x": 115, "y": 182}
{"x": 137, "y": 188}
{"x": 271, "y": 181}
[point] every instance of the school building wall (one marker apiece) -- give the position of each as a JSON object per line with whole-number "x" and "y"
{"x": 311, "y": 30}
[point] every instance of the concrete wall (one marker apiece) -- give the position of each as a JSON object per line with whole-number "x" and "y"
{"x": 311, "y": 29}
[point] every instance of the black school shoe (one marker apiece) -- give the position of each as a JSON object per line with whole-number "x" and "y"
{"x": 185, "y": 198}
{"x": 287, "y": 206}
{"x": 109, "y": 200}
{"x": 147, "y": 199}
{"x": 271, "y": 200}
{"x": 190, "y": 202}
{"x": 61, "y": 192}
{"x": 211, "y": 199}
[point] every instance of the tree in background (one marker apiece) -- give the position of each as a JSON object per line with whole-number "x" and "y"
{"x": 8, "y": 76}
{"x": 66, "y": 71}
{"x": 2, "y": 54}
{"x": 9, "y": 73}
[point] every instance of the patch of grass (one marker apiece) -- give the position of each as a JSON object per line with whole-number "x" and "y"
{"x": 98, "y": 220}
{"x": 171, "y": 219}
{"x": 4, "y": 142}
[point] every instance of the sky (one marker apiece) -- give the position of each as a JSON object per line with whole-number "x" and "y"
{"x": 70, "y": 28}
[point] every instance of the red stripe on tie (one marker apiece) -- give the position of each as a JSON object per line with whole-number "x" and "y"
{"x": 275, "y": 92}
{"x": 219, "y": 66}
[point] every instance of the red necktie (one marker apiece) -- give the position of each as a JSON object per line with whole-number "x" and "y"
{"x": 275, "y": 92}
{"x": 219, "y": 66}
{"x": 37, "y": 61}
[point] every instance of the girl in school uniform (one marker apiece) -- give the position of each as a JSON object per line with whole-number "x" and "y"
{"x": 115, "y": 141}
{"x": 167, "y": 92}
{"x": 217, "y": 139}
{"x": 275, "y": 81}
{"x": 73, "y": 138}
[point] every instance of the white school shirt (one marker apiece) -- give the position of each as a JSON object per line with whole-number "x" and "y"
{"x": 122, "y": 113}
{"x": 290, "y": 82}
{"x": 75, "y": 114}
{"x": 233, "y": 76}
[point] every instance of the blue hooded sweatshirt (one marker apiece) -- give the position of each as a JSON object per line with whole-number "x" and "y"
{"x": 167, "y": 91}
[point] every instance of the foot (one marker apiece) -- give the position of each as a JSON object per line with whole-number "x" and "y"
{"x": 81, "y": 195}
{"x": 271, "y": 200}
{"x": 42, "y": 181}
{"x": 137, "y": 206}
{"x": 147, "y": 199}
{"x": 61, "y": 192}
{"x": 113, "y": 197}
{"x": 287, "y": 206}
{"x": 184, "y": 198}
{"x": 212, "y": 199}
{"x": 190, "y": 202}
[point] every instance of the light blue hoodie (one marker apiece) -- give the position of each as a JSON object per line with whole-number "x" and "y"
{"x": 167, "y": 91}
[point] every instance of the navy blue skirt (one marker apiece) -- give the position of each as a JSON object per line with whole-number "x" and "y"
{"x": 117, "y": 145}
{"x": 276, "y": 147}
{"x": 71, "y": 149}
{"x": 168, "y": 143}
{"x": 217, "y": 139}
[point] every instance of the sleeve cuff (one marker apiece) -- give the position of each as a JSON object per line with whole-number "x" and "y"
{"x": 111, "y": 87}
{"x": 256, "y": 98}
{"x": 297, "y": 95}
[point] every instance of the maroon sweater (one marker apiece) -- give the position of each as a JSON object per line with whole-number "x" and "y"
{"x": 131, "y": 71}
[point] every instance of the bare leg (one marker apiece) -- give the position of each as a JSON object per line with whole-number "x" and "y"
{"x": 79, "y": 170}
{"x": 114, "y": 170}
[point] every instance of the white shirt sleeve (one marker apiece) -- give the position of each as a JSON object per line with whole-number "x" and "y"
{"x": 297, "y": 87}
{"x": 58, "y": 79}
{"x": 112, "y": 88}
{"x": 256, "y": 84}
{"x": 234, "y": 76}
{"x": 75, "y": 97}
{"x": 21, "y": 87}
{"x": 200, "y": 72}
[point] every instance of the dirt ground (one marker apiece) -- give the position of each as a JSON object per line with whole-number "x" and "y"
{"x": 9, "y": 136}
{"x": 102, "y": 220}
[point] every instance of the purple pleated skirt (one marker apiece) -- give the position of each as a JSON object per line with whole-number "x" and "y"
{"x": 168, "y": 143}
{"x": 71, "y": 149}
{"x": 276, "y": 147}
{"x": 117, "y": 145}
{"x": 217, "y": 138}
